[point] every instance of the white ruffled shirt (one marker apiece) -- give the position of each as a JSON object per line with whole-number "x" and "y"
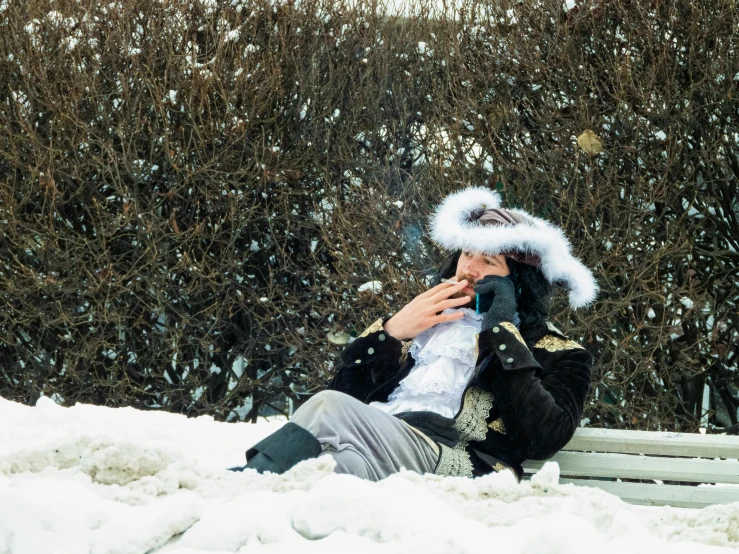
{"x": 445, "y": 362}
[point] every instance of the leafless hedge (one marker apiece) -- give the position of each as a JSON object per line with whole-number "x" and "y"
{"x": 193, "y": 193}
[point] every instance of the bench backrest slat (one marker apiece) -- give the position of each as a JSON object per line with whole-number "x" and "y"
{"x": 655, "y": 443}
{"x": 600, "y": 456}
{"x": 629, "y": 466}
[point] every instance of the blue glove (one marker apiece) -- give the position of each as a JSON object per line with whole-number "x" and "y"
{"x": 503, "y": 305}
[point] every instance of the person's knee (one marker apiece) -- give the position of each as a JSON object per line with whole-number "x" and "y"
{"x": 319, "y": 413}
{"x": 327, "y": 402}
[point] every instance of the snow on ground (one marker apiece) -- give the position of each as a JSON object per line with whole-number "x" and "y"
{"x": 97, "y": 480}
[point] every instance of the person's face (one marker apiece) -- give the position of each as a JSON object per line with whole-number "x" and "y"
{"x": 473, "y": 267}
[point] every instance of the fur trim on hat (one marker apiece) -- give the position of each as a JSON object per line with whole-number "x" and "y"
{"x": 454, "y": 227}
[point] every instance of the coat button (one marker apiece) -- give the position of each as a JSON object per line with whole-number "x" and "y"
{"x": 370, "y": 351}
{"x": 502, "y": 347}
{"x": 510, "y": 360}
{"x": 496, "y": 329}
{"x": 358, "y": 362}
{"x": 381, "y": 336}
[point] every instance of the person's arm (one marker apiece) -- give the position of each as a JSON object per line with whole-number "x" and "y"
{"x": 375, "y": 356}
{"x": 540, "y": 413}
{"x": 368, "y": 362}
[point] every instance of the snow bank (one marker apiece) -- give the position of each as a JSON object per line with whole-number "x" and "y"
{"x": 99, "y": 480}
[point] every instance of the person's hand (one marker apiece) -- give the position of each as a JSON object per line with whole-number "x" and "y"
{"x": 504, "y": 299}
{"x": 424, "y": 310}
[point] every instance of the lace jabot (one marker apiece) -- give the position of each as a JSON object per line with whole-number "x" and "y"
{"x": 455, "y": 339}
{"x": 445, "y": 361}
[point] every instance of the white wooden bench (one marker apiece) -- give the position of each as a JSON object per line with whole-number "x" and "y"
{"x": 603, "y": 457}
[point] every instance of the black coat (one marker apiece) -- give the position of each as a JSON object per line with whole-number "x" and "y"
{"x": 524, "y": 401}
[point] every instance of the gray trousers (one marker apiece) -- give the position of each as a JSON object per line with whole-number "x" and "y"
{"x": 363, "y": 440}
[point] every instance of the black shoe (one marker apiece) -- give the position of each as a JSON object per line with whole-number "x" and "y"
{"x": 282, "y": 450}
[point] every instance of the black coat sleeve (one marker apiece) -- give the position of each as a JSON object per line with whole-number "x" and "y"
{"x": 367, "y": 362}
{"x": 540, "y": 399}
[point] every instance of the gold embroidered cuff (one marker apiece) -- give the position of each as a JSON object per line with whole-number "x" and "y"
{"x": 406, "y": 347}
{"x": 376, "y": 326}
{"x": 454, "y": 462}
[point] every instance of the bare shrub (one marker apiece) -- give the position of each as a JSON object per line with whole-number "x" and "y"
{"x": 192, "y": 193}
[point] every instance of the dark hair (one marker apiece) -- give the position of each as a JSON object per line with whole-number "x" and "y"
{"x": 533, "y": 294}
{"x": 534, "y": 299}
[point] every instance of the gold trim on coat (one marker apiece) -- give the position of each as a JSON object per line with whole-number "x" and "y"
{"x": 510, "y": 327}
{"x": 376, "y": 326}
{"x": 472, "y": 420}
{"x": 552, "y": 343}
{"x": 497, "y": 426}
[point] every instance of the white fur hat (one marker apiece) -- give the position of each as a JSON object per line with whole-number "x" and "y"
{"x": 455, "y": 226}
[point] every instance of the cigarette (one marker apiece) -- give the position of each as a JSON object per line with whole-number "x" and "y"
{"x": 449, "y": 281}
